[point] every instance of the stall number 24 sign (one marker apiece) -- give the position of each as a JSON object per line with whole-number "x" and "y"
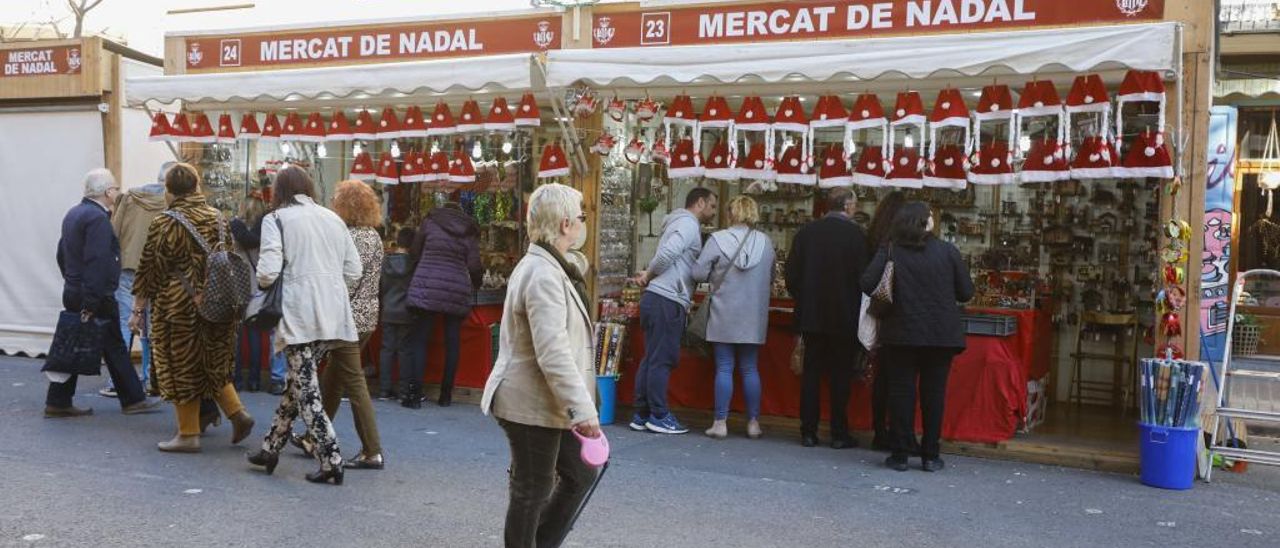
{"x": 655, "y": 29}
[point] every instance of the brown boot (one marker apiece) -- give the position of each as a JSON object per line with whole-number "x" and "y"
{"x": 180, "y": 444}
{"x": 241, "y": 425}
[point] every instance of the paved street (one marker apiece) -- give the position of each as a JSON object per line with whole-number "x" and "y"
{"x": 99, "y": 481}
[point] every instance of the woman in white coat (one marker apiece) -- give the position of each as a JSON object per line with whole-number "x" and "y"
{"x": 320, "y": 266}
{"x": 542, "y": 386}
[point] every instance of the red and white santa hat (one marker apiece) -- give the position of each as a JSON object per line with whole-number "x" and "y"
{"x": 364, "y": 128}
{"x": 720, "y": 163}
{"x": 752, "y": 117}
{"x": 1094, "y": 160}
{"x": 716, "y": 114}
{"x": 388, "y": 125}
{"x": 829, "y": 112}
{"x": 249, "y": 126}
{"x": 1040, "y": 99}
{"x": 1088, "y": 95}
{"x": 469, "y": 119}
{"x": 994, "y": 105}
{"x": 500, "y": 117}
{"x": 869, "y": 170}
{"x": 686, "y": 161}
{"x": 437, "y": 167}
{"x": 792, "y": 168}
{"x": 180, "y": 129}
{"x": 992, "y": 165}
{"x": 226, "y": 131}
{"x": 313, "y": 130}
{"x": 202, "y": 130}
{"x": 907, "y": 169}
{"x": 834, "y": 169}
{"x": 339, "y": 129}
{"x": 1141, "y": 86}
{"x": 867, "y": 113}
{"x": 554, "y": 163}
{"x": 362, "y": 167}
{"x": 1148, "y": 156}
{"x": 415, "y": 124}
{"x": 757, "y": 164}
{"x": 411, "y": 171}
{"x": 681, "y": 112}
{"x": 1046, "y": 162}
{"x": 948, "y": 167}
{"x": 442, "y": 122}
{"x": 386, "y": 170}
{"x": 527, "y": 113}
{"x": 790, "y": 117}
{"x": 271, "y": 129}
{"x": 949, "y": 111}
{"x": 461, "y": 170}
{"x": 160, "y": 128}
{"x": 292, "y": 128}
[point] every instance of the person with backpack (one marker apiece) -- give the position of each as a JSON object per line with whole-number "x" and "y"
{"x": 188, "y": 254}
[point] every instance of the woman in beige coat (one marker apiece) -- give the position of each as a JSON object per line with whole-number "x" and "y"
{"x": 542, "y": 386}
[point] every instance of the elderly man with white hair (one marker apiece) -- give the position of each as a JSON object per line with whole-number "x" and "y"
{"x": 89, "y": 259}
{"x": 542, "y": 387}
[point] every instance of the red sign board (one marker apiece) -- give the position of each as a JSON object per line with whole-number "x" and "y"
{"x": 806, "y": 20}
{"x": 40, "y": 61}
{"x": 377, "y": 44}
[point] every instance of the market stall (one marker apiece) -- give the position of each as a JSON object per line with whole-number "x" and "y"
{"x": 1050, "y": 189}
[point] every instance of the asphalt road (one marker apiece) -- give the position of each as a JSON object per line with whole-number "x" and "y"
{"x": 99, "y": 481}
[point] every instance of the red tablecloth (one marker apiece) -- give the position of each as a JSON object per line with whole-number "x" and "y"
{"x": 986, "y": 393}
{"x": 474, "y": 360}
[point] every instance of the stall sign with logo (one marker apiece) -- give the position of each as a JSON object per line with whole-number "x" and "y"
{"x": 808, "y": 20}
{"x": 373, "y": 44}
{"x": 44, "y": 61}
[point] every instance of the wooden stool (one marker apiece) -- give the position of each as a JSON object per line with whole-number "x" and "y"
{"x": 1124, "y": 363}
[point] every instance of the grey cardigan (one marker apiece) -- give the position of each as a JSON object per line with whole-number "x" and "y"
{"x": 740, "y": 308}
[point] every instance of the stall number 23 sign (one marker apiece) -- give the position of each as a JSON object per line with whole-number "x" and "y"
{"x": 655, "y": 29}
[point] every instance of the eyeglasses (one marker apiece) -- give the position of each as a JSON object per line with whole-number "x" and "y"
{"x": 582, "y": 217}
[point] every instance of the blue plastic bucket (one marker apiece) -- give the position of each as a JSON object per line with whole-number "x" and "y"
{"x": 607, "y": 387}
{"x": 1168, "y": 456}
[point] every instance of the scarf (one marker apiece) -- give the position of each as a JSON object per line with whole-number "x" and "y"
{"x": 575, "y": 277}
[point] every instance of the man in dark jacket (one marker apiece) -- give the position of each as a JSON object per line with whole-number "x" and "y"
{"x": 89, "y": 259}
{"x": 823, "y": 270}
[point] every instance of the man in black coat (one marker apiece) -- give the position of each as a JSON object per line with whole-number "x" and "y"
{"x": 823, "y": 270}
{"x": 89, "y": 259}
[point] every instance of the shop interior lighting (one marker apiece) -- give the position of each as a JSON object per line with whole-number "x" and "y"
{"x": 395, "y": 149}
{"x": 476, "y": 151}
{"x": 1024, "y": 144}
{"x": 909, "y": 142}
{"x": 506, "y": 147}
{"x": 435, "y": 147}
{"x": 285, "y": 149}
{"x": 356, "y": 149}
{"x": 321, "y": 151}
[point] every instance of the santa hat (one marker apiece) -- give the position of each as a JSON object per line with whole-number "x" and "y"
{"x": 202, "y": 130}
{"x": 1148, "y": 156}
{"x": 313, "y": 129}
{"x": 866, "y": 114}
{"x": 753, "y": 117}
{"x": 470, "y": 120}
{"x": 415, "y": 124}
{"x": 681, "y": 112}
{"x": 790, "y": 117}
{"x": 437, "y": 167}
{"x": 616, "y": 109}
{"x": 685, "y": 161}
{"x": 386, "y": 170}
{"x": 1040, "y": 99}
{"x": 414, "y": 169}
{"x": 792, "y": 167}
{"x": 720, "y": 164}
{"x": 527, "y": 114}
{"x": 949, "y": 111}
{"x": 362, "y": 167}
{"x": 829, "y": 112}
{"x": 870, "y": 170}
{"x": 339, "y": 129}
{"x": 1046, "y": 162}
{"x": 554, "y": 162}
{"x": 1088, "y": 95}
{"x": 1142, "y": 86}
{"x": 1095, "y": 159}
{"x": 442, "y": 121}
{"x": 716, "y": 114}
{"x": 249, "y": 127}
{"x": 388, "y": 126}
{"x": 160, "y": 128}
{"x": 757, "y": 164}
{"x": 500, "y": 117}
{"x": 907, "y": 169}
{"x": 271, "y": 128}
{"x": 226, "y": 132}
{"x": 461, "y": 170}
{"x": 291, "y": 128}
{"x": 364, "y": 129}
{"x": 995, "y": 104}
{"x": 947, "y": 169}
{"x": 180, "y": 130}
{"x": 992, "y": 165}
{"x": 834, "y": 169}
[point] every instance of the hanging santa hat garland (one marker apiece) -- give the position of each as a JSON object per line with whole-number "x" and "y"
{"x": 414, "y": 168}
{"x": 834, "y": 169}
{"x": 202, "y": 130}
{"x": 470, "y": 120}
{"x": 795, "y": 160}
{"x": 415, "y": 124}
{"x": 753, "y": 118}
{"x": 1148, "y": 154}
{"x": 720, "y": 163}
{"x": 362, "y": 167}
{"x": 161, "y": 130}
{"x": 442, "y": 122}
{"x": 339, "y": 128}
{"x": 500, "y": 117}
{"x": 992, "y": 163}
{"x": 388, "y": 126}
{"x": 947, "y": 163}
{"x": 249, "y": 128}
{"x": 461, "y": 170}
{"x": 364, "y": 129}
{"x": 387, "y": 173}
{"x": 226, "y": 132}
{"x": 867, "y": 114}
{"x": 1088, "y": 95}
{"x": 685, "y": 160}
{"x": 718, "y": 118}
{"x": 906, "y": 169}
{"x": 527, "y": 113}
{"x": 1046, "y": 159}
{"x": 679, "y": 115}
{"x": 180, "y": 130}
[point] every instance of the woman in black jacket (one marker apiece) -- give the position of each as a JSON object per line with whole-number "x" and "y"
{"x": 922, "y": 331}
{"x": 878, "y": 237}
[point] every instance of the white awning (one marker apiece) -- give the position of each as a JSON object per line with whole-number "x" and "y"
{"x": 371, "y": 84}
{"x": 875, "y": 60}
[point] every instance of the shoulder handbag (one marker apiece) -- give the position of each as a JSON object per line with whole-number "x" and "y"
{"x": 882, "y": 296}
{"x": 702, "y": 314}
{"x": 266, "y": 309}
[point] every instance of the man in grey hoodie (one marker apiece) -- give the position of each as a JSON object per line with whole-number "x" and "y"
{"x": 664, "y": 308}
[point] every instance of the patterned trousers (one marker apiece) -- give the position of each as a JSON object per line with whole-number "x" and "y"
{"x": 302, "y": 396}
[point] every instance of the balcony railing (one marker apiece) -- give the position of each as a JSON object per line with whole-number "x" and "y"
{"x": 1250, "y": 16}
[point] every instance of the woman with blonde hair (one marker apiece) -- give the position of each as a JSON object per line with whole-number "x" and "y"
{"x": 192, "y": 357}
{"x": 738, "y": 263}
{"x": 542, "y": 386}
{"x": 360, "y": 209}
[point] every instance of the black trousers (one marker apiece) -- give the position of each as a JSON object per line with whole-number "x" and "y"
{"x": 420, "y": 336}
{"x": 880, "y": 398}
{"x": 905, "y": 365}
{"x": 123, "y": 377}
{"x": 834, "y": 355}
{"x": 548, "y": 483}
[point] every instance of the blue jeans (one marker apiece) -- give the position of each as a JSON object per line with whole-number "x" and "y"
{"x": 250, "y": 350}
{"x": 278, "y": 365}
{"x": 124, "y": 301}
{"x": 663, "y": 323}
{"x": 746, "y": 356}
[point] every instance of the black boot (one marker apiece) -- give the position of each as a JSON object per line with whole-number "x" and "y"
{"x": 446, "y": 397}
{"x": 412, "y": 398}
{"x": 263, "y": 458}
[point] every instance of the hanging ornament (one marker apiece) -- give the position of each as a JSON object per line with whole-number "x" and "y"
{"x": 646, "y": 109}
{"x": 583, "y": 102}
{"x": 635, "y": 150}
{"x": 604, "y": 144}
{"x": 617, "y": 109}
